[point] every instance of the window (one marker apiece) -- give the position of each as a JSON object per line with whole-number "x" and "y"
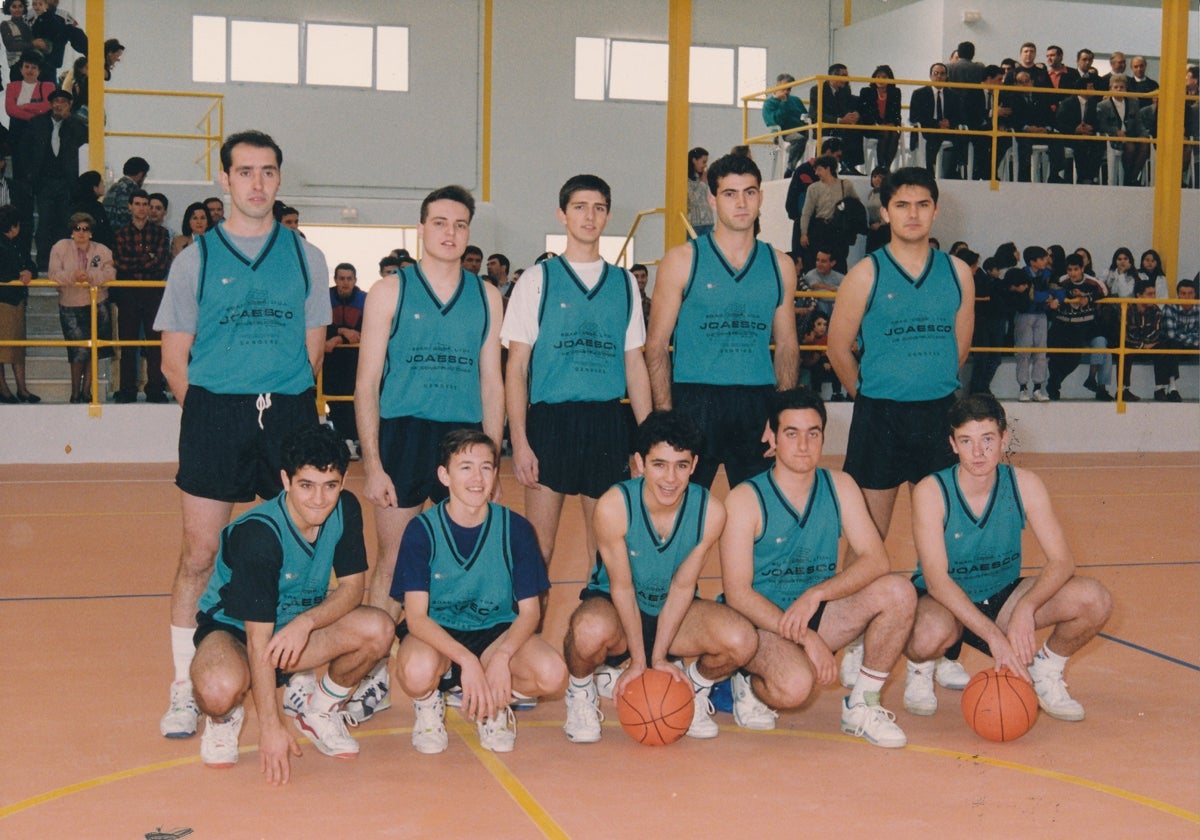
{"x": 638, "y": 70}
{"x": 361, "y": 246}
{"x": 271, "y": 52}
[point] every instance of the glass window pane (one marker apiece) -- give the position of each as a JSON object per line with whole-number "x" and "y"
{"x": 639, "y": 71}
{"x": 710, "y": 76}
{"x": 208, "y": 49}
{"x": 391, "y": 58}
{"x": 264, "y": 52}
{"x": 752, "y": 72}
{"x": 589, "y": 68}
{"x": 338, "y": 55}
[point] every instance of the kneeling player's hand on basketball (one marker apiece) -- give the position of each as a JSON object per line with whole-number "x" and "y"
{"x": 275, "y": 745}
{"x": 1006, "y": 657}
{"x": 477, "y": 702}
{"x": 820, "y": 656}
{"x": 631, "y": 672}
{"x": 525, "y": 465}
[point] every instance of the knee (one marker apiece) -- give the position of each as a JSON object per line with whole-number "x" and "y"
{"x": 1095, "y": 602}
{"x": 217, "y": 691}
{"x": 897, "y": 594}
{"x": 742, "y": 642}
{"x": 929, "y": 639}
{"x": 418, "y": 675}
{"x": 589, "y": 632}
{"x": 550, "y": 676}
{"x": 376, "y": 631}
{"x": 792, "y": 689}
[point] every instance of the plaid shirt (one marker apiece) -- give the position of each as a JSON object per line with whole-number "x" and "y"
{"x": 142, "y": 254}
{"x": 1182, "y": 324}
{"x": 1142, "y": 327}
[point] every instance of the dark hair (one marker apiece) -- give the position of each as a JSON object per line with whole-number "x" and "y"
{"x": 215, "y": 198}
{"x": 460, "y": 440}
{"x": 879, "y": 170}
{"x": 908, "y": 176}
{"x": 7, "y": 7}
{"x": 135, "y": 166}
{"x": 1031, "y": 44}
{"x": 31, "y": 57}
{"x": 966, "y": 50}
{"x": 1122, "y": 250}
{"x": 319, "y": 447}
{"x": 935, "y": 243}
{"x": 166, "y": 202}
{"x": 1006, "y": 255}
{"x": 257, "y": 139}
{"x": 827, "y": 161}
{"x": 794, "y": 399}
{"x": 1087, "y": 257}
{"x": 500, "y": 258}
{"x": 85, "y": 186}
{"x": 1157, "y": 261}
{"x": 11, "y": 217}
{"x": 885, "y": 69}
{"x": 1034, "y": 252}
{"x": 186, "y": 227}
{"x": 1142, "y": 284}
{"x": 637, "y": 266}
{"x": 139, "y": 194}
{"x": 1074, "y": 260}
{"x": 976, "y": 407}
{"x": 452, "y": 192}
{"x": 282, "y": 210}
{"x": 472, "y": 249}
{"x": 990, "y": 265}
{"x": 731, "y": 165}
{"x": 830, "y": 145}
{"x": 673, "y": 428}
{"x": 968, "y": 256}
{"x": 387, "y": 261}
{"x": 1084, "y": 51}
{"x": 941, "y": 64}
{"x": 578, "y": 183}
{"x": 1058, "y": 260}
{"x": 345, "y": 266}
{"x": 81, "y": 218}
{"x": 836, "y": 69}
{"x": 958, "y": 245}
{"x": 992, "y": 71}
{"x": 694, "y": 155}
{"x": 1184, "y": 284}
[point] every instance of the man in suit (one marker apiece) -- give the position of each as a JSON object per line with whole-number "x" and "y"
{"x": 56, "y": 138}
{"x": 933, "y": 107}
{"x": 1117, "y": 117}
{"x": 1030, "y": 113}
{"x": 1077, "y": 115}
{"x": 838, "y": 105}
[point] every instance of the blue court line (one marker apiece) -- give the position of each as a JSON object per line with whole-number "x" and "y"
{"x": 1150, "y": 651}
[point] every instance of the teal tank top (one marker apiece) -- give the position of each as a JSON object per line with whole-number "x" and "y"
{"x": 472, "y": 592}
{"x": 796, "y": 549}
{"x": 431, "y": 370}
{"x": 253, "y": 312}
{"x": 652, "y": 559}
{"x": 304, "y": 574}
{"x": 579, "y": 355}
{"x": 907, "y": 334}
{"x": 984, "y": 551}
{"x": 723, "y": 332}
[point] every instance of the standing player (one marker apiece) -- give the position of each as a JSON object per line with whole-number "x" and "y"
{"x": 574, "y": 333}
{"x": 429, "y": 363}
{"x": 641, "y": 604}
{"x": 265, "y": 611}
{"x": 243, "y": 320}
{"x": 967, "y": 523}
{"x": 911, "y": 311}
{"x": 721, "y": 300}
{"x": 779, "y": 557}
{"x": 470, "y": 576}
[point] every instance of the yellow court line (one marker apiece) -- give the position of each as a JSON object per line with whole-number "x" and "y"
{"x": 546, "y": 823}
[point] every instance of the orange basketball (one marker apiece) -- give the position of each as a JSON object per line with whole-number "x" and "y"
{"x": 999, "y": 706}
{"x": 655, "y": 709}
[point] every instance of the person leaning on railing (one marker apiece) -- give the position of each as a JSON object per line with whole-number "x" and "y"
{"x": 13, "y": 266}
{"x": 75, "y": 265}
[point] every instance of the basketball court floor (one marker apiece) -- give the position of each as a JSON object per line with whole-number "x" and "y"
{"x": 87, "y": 554}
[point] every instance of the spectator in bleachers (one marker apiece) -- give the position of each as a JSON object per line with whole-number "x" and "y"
{"x": 1058, "y": 261}
{"x": 85, "y": 198}
{"x": 216, "y": 209}
{"x": 699, "y": 212}
{"x": 23, "y": 101}
{"x": 16, "y": 35}
{"x": 75, "y": 265}
{"x": 143, "y": 253}
{"x": 1061, "y": 76}
{"x": 971, "y": 106}
{"x": 472, "y": 260}
{"x": 113, "y": 50}
{"x": 55, "y": 139}
{"x": 1077, "y": 115}
{"x": 990, "y": 325}
{"x": 1088, "y": 268}
{"x": 1181, "y": 329}
{"x": 1139, "y": 82}
{"x": 879, "y": 104}
{"x": 159, "y": 206}
{"x": 815, "y": 369}
{"x": 1085, "y": 61}
{"x": 642, "y": 275}
{"x": 75, "y": 81}
{"x": 497, "y": 268}
{"x": 824, "y": 278}
{"x": 879, "y": 233}
{"x": 116, "y": 201}
{"x": 1028, "y": 296}
{"x": 1152, "y": 269}
{"x": 196, "y": 222}
{"x": 839, "y": 106}
{"x": 1028, "y": 63}
{"x": 1029, "y": 113}
{"x": 13, "y": 266}
{"x": 1143, "y": 331}
{"x": 49, "y": 31}
{"x": 341, "y": 365}
{"x": 933, "y": 107}
{"x": 817, "y": 230}
{"x": 1120, "y": 277}
{"x": 803, "y": 178}
{"x": 788, "y": 112}
{"x": 1116, "y": 116}
{"x": 1116, "y": 63}
{"x": 1075, "y": 326}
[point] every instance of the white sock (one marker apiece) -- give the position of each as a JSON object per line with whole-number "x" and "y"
{"x": 586, "y": 685}
{"x": 327, "y": 695}
{"x": 700, "y": 683}
{"x": 868, "y": 682}
{"x": 183, "y": 651}
{"x": 1052, "y": 659}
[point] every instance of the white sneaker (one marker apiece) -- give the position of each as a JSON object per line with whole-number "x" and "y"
{"x": 300, "y": 686}
{"x": 182, "y": 716}
{"x": 327, "y": 731}
{"x": 919, "y": 697}
{"x": 852, "y": 661}
{"x": 372, "y": 696}
{"x": 219, "y": 743}
{"x": 703, "y": 726}
{"x": 1052, "y": 692}
{"x": 748, "y": 711}
{"x": 429, "y": 729}
{"x": 606, "y": 677}
{"x": 950, "y": 674}
{"x": 499, "y": 732}
{"x": 874, "y": 723}
{"x": 1040, "y": 395}
{"x": 1024, "y": 395}
{"x": 522, "y": 703}
{"x": 583, "y": 717}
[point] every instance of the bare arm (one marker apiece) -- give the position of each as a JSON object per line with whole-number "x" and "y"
{"x": 176, "y": 348}
{"x": 491, "y": 379}
{"x": 372, "y": 352}
{"x": 275, "y": 742}
{"x": 516, "y": 397}
{"x": 846, "y": 321}
{"x": 637, "y": 383}
{"x": 286, "y": 647}
{"x": 964, "y": 319}
{"x": 664, "y": 313}
{"x": 783, "y": 328}
{"x": 314, "y": 342}
{"x": 611, "y": 525}
{"x": 497, "y": 660}
{"x": 477, "y": 696}
{"x": 742, "y": 524}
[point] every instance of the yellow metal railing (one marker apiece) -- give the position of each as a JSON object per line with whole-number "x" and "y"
{"x": 623, "y": 255}
{"x": 210, "y": 126}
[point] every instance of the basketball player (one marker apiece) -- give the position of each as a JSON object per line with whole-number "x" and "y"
{"x": 470, "y": 576}
{"x": 721, "y": 300}
{"x": 967, "y": 523}
{"x": 574, "y": 333}
{"x": 265, "y": 611}
{"x": 779, "y": 559}
{"x": 243, "y": 318}
{"x": 429, "y": 363}
{"x": 911, "y": 310}
{"x": 640, "y": 603}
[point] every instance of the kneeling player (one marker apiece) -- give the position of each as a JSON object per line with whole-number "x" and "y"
{"x": 967, "y": 523}
{"x": 266, "y": 612}
{"x": 779, "y": 556}
{"x": 653, "y": 533}
{"x": 470, "y": 575}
